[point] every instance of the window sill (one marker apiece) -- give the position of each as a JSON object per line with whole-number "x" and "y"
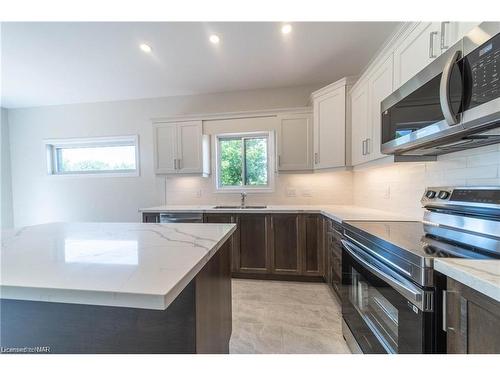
{"x": 93, "y": 175}
{"x": 243, "y": 190}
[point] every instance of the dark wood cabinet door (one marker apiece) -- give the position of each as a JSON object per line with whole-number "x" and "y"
{"x": 150, "y": 217}
{"x": 254, "y": 244}
{"x": 472, "y": 321}
{"x": 235, "y": 240}
{"x": 285, "y": 244}
{"x": 313, "y": 246}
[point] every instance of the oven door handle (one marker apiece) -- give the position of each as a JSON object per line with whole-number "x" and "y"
{"x": 402, "y": 286}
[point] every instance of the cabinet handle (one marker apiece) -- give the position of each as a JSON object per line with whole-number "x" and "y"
{"x": 363, "y": 147}
{"x": 175, "y": 163}
{"x": 431, "y": 44}
{"x": 279, "y": 160}
{"x": 368, "y": 148}
{"x": 443, "y": 35}
{"x": 179, "y": 163}
{"x": 316, "y": 158}
{"x": 444, "y": 327}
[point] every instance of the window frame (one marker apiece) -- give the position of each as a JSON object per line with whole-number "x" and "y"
{"x": 269, "y": 187}
{"x": 53, "y": 145}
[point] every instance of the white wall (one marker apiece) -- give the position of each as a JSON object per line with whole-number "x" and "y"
{"x": 398, "y": 187}
{"x": 6, "y": 215}
{"x": 38, "y": 197}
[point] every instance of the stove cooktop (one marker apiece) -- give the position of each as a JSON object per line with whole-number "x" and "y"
{"x": 422, "y": 242}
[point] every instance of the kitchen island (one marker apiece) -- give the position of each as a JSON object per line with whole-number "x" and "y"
{"x": 116, "y": 288}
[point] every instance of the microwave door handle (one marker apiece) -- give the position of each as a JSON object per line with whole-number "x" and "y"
{"x": 444, "y": 89}
{"x": 409, "y": 292}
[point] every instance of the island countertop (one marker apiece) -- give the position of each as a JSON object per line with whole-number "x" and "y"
{"x": 108, "y": 264}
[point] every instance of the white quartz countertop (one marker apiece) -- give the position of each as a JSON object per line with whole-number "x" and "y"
{"x": 110, "y": 264}
{"x": 481, "y": 275}
{"x": 335, "y": 212}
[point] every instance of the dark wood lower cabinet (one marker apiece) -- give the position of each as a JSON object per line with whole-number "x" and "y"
{"x": 285, "y": 238}
{"x": 254, "y": 254}
{"x": 333, "y": 255}
{"x": 278, "y": 246}
{"x": 235, "y": 240}
{"x": 472, "y": 321}
{"x": 150, "y": 217}
{"x": 313, "y": 246}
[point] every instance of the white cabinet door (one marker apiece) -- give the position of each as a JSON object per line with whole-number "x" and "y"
{"x": 165, "y": 148}
{"x": 416, "y": 50}
{"x": 189, "y": 147}
{"x": 329, "y": 129}
{"x": 453, "y": 31}
{"x": 295, "y": 142}
{"x": 359, "y": 123}
{"x": 380, "y": 87}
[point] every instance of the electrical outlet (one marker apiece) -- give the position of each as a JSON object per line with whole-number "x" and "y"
{"x": 387, "y": 192}
{"x": 198, "y": 194}
{"x": 307, "y": 193}
{"x": 291, "y": 192}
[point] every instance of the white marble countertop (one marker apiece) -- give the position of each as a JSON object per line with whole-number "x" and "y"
{"x": 481, "y": 275}
{"x": 111, "y": 264}
{"x": 335, "y": 212}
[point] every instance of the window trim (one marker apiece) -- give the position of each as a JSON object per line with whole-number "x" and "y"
{"x": 269, "y": 188}
{"x": 52, "y": 145}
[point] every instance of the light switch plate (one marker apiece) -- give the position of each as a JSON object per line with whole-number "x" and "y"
{"x": 291, "y": 192}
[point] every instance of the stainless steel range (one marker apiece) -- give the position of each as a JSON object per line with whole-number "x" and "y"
{"x": 391, "y": 295}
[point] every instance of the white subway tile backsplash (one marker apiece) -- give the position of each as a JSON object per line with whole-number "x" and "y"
{"x": 406, "y": 182}
{"x": 489, "y": 158}
{"x": 476, "y": 172}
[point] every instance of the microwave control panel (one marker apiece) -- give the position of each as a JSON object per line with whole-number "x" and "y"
{"x": 483, "y": 65}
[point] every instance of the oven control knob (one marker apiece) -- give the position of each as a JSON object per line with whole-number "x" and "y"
{"x": 430, "y": 194}
{"x": 443, "y": 194}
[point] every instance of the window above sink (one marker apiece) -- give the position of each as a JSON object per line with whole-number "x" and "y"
{"x": 244, "y": 162}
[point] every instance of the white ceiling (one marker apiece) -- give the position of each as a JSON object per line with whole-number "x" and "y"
{"x": 60, "y": 63}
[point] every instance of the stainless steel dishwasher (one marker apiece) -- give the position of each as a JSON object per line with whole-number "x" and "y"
{"x": 181, "y": 217}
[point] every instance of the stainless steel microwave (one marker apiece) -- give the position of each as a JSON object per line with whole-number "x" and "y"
{"x": 451, "y": 105}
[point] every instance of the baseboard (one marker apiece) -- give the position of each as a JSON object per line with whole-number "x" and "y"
{"x": 260, "y": 276}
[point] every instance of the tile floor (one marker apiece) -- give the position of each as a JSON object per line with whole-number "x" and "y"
{"x": 285, "y": 317}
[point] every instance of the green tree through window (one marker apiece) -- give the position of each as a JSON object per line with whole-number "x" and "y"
{"x": 243, "y": 161}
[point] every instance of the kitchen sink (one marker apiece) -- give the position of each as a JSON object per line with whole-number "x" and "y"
{"x": 239, "y": 207}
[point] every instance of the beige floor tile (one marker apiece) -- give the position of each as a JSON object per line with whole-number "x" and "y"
{"x": 285, "y": 317}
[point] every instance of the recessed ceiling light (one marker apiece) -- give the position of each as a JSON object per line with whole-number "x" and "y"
{"x": 214, "y": 39}
{"x": 286, "y": 29}
{"x": 145, "y": 47}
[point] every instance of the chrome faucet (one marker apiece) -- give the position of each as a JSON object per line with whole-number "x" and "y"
{"x": 243, "y": 197}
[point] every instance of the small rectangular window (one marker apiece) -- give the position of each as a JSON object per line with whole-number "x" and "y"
{"x": 243, "y": 162}
{"x": 94, "y": 156}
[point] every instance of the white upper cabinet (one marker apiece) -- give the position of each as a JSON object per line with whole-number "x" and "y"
{"x": 189, "y": 147}
{"x": 165, "y": 145}
{"x": 294, "y": 141}
{"x": 423, "y": 43}
{"x": 366, "y": 99}
{"x": 329, "y": 106}
{"x": 380, "y": 87}
{"x": 453, "y": 31}
{"x": 179, "y": 148}
{"x": 359, "y": 122}
{"x": 417, "y": 49}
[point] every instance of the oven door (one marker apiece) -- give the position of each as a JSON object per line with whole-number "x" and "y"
{"x": 385, "y": 312}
